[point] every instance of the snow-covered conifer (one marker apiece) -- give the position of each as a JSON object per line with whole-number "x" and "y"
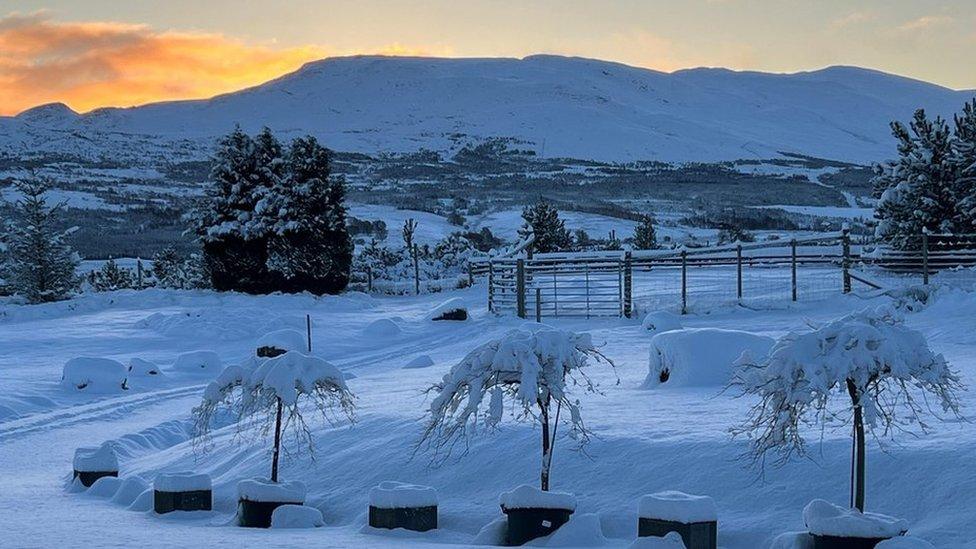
{"x": 964, "y": 163}
{"x": 111, "y": 277}
{"x": 645, "y": 237}
{"x": 167, "y": 268}
{"x": 551, "y": 234}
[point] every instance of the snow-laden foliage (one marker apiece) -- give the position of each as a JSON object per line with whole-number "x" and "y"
{"x": 531, "y": 369}
{"x": 645, "y": 237}
{"x": 110, "y": 277}
{"x": 551, "y": 234}
{"x": 893, "y": 375}
{"x": 441, "y": 267}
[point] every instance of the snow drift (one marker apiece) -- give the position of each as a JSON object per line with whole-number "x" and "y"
{"x": 697, "y": 357}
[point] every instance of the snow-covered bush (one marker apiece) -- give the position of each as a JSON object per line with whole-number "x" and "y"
{"x": 535, "y": 370}
{"x": 695, "y": 357}
{"x": 280, "y": 341}
{"x": 296, "y": 516}
{"x": 885, "y": 370}
{"x": 271, "y": 391}
{"x": 94, "y": 375}
{"x": 823, "y": 518}
{"x": 661, "y": 321}
{"x": 111, "y": 277}
{"x": 140, "y": 367}
{"x": 198, "y": 362}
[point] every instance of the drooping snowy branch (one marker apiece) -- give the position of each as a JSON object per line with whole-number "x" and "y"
{"x": 868, "y": 356}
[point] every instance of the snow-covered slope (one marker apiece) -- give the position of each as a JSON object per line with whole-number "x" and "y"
{"x": 556, "y": 106}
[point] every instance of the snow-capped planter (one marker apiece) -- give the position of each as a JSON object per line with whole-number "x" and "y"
{"x": 661, "y": 321}
{"x": 398, "y": 505}
{"x": 94, "y": 375}
{"x": 694, "y": 357}
{"x": 533, "y": 513}
{"x": 199, "y": 362}
{"x": 182, "y": 492}
{"x": 296, "y": 516}
{"x": 93, "y": 463}
{"x": 258, "y": 499}
{"x": 694, "y": 518}
{"x": 834, "y": 527}
{"x": 140, "y": 367}
{"x": 280, "y": 342}
{"x": 452, "y": 309}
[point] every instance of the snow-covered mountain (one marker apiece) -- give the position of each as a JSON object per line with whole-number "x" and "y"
{"x": 556, "y": 106}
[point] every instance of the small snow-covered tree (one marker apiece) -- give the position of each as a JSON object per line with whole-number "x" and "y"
{"x": 42, "y": 267}
{"x": 551, "y": 234}
{"x": 111, "y": 277}
{"x": 645, "y": 238}
{"x": 535, "y": 370}
{"x": 408, "y": 232}
{"x": 964, "y": 162}
{"x": 267, "y": 394}
{"x": 167, "y": 268}
{"x": 885, "y": 371}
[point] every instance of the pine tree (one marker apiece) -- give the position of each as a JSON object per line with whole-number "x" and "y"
{"x": 964, "y": 166}
{"x": 167, "y": 268}
{"x": 42, "y": 267}
{"x": 645, "y": 237}
{"x": 550, "y": 232}
{"x": 111, "y": 277}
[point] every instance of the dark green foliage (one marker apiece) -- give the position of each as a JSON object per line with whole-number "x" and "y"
{"x": 550, "y": 231}
{"x": 645, "y": 237}
{"x": 111, "y": 277}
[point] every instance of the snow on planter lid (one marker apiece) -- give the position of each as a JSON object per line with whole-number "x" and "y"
{"x": 528, "y": 497}
{"x": 96, "y": 459}
{"x": 285, "y": 340}
{"x": 678, "y": 507}
{"x": 826, "y": 519}
{"x": 265, "y": 490}
{"x": 397, "y": 495}
{"x": 94, "y": 375}
{"x": 296, "y": 516}
{"x": 198, "y": 362}
{"x": 182, "y": 482}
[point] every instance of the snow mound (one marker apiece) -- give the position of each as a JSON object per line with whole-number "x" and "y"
{"x": 265, "y": 490}
{"x": 296, "y": 516}
{"x": 141, "y": 367}
{"x": 826, "y": 519}
{"x": 397, "y": 495}
{"x": 143, "y": 503}
{"x": 581, "y": 531}
{"x": 670, "y": 541}
{"x": 182, "y": 482}
{"x": 695, "y": 357}
{"x": 793, "y": 540}
{"x": 383, "y": 327}
{"x": 661, "y": 321}
{"x": 525, "y": 497}
{"x": 285, "y": 375}
{"x": 129, "y": 490}
{"x": 284, "y": 340}
{"x": 421, "y": 361}
{"x": 96, "y": 459}
{"x": 94, "y": 375}
{"x": 105, "y": 487}
{"x": 198, "y": 362}
{"x": 492, "y": 533}
{"x": 452, "y": 309}
{"x": 907, "y": 542}
{"x": 678, "y": 507}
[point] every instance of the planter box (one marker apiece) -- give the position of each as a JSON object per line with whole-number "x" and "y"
{"x": 418, "y": 519}
{"x": 194, "y": 500}
{"x": 89, "y": 477}
{"x": 456, "y": 315}
{"x": 257, "y": 514}
{"x": 528, "y": 523}
{"x": 696, "y": 535}
{"x": 838, "y": 542}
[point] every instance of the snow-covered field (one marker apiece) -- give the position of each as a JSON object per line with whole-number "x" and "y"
{"x": 649, "y": 440}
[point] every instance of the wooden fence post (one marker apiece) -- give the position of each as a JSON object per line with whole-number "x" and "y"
{"x": 491, "y": 286}
{"x": 416, "y": 271}
{"x": 925, "y": 257}
{"x": 139, "y": 273}
{"x": 793, "y": 265}
{"x": 520, "y": 287}
{"x": 738, "y": 268}
{"x": 538, "y": 305}
{"x": 470, "y": 274}
{"x": 628, "y": 285}
{"x": 369, "y": 279}
{"x": 684, "y": 282}
{"x": 846, "y": 262}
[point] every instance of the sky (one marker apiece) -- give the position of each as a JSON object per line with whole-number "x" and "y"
{"x": 97, "y": 53}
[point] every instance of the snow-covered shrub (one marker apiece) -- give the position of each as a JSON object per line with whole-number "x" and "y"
{"x": 296, "y": 516}
{"x": 383, "y": 327}
{"x": 888, "y": 375}
{"x": 452, "y": 309}
{"x": 271, "y": 391}
{"x": 140, "y": 367}
{"x": 111, "y": 277}
{"x": 661, "y": 321}
{"x": 695, "y": 357}
{"x": 823, "y": 518}
{"x": 531, "y": 369}
{"x": 94, "y": 375}
{"x": 280, "y": 341}
{"x": 198, "y": 362}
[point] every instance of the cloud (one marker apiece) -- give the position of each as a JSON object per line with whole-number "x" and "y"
{"x": 852, "y": 19}
{"x": 94, "y": 64}
{"x": 925, "y": 22}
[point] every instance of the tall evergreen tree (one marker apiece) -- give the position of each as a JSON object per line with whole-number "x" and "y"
{"x": 645, "y": 238}
{"x": 964, "y": 163}
{"x": 42, "y": 267}
{"x": 551, "y": 234}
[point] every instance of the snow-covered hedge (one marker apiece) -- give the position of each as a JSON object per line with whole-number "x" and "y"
{"x": 694, "y": 357}
{"x": 94, "y": 375}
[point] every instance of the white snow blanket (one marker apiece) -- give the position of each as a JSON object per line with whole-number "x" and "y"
{"x": 285, "y": 375}
{"x": 265, "y": 490}
{"x": 661, "y": 321}
{"x": 96, "y": 459}
{"x": 141, "y": 367}
{"x": 384, "y": 327}
{"x": 421, "y": 361}
{"x": 906, "y": 542}
{"x": 678, "y": 507}
{"x": 94, "y": 375}
{"x": 826, "y": 519}
{"x": 129, "y": 490}
{"x": 198, "y": 362}
{"x": 182, "y": 482}
{"x": 670, "y": 541}
{"x": 105, "y": 487}
{"x": 296, "y": 516}
{"x": 529, "y": 497}
{"x": 284, "y": 340}
{"x": 582, "y": 530}
{"x": 397, "y": 495}
{"x": 793, "y": 540}
{"x": 695, "y": 357}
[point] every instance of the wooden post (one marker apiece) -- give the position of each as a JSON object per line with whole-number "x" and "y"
{"x": 846, "y": 261}
{"x": 416, "y": 272}
{"x": 793, "y": 265}
{"x": 538, "y": 305}
{"x": 277, "y": 444}
{"x": 738, "y": 269}
{"x": 628, "y": 285}
{"x": 857, "y": 489}
{"x": 139, "y": 273}
{"x": 925, "y": 257}
{"x": 491, "y": 286}
{"x": 684, "y": 282}
{"x": 470, "y": 274}
{"x": 520, "y": 287}
{"x": 369, "y": 279}
{"x": 308, "y": 331}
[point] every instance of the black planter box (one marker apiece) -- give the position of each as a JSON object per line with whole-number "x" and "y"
{"x": 89, "y": 477}
{"x": 195, "y": 500}
{"x": 257, "y": 514}
{"x": 696, "y": 535}
{"x": 418, "y": 519}
{"x": 456, "y": 314}
{"x": 838, "y": 542}
{"x": 527, "y": 524}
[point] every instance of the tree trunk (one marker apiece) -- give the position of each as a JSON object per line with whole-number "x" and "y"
{"x": 859, "y": 447}
{"x": 546, "y": 443}
{"x": 277, "y": 444}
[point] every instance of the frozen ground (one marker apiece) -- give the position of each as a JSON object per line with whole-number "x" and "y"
{"x": 649, "y": 440}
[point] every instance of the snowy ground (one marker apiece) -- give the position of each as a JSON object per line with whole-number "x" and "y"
{"x": 649, "y": 440}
